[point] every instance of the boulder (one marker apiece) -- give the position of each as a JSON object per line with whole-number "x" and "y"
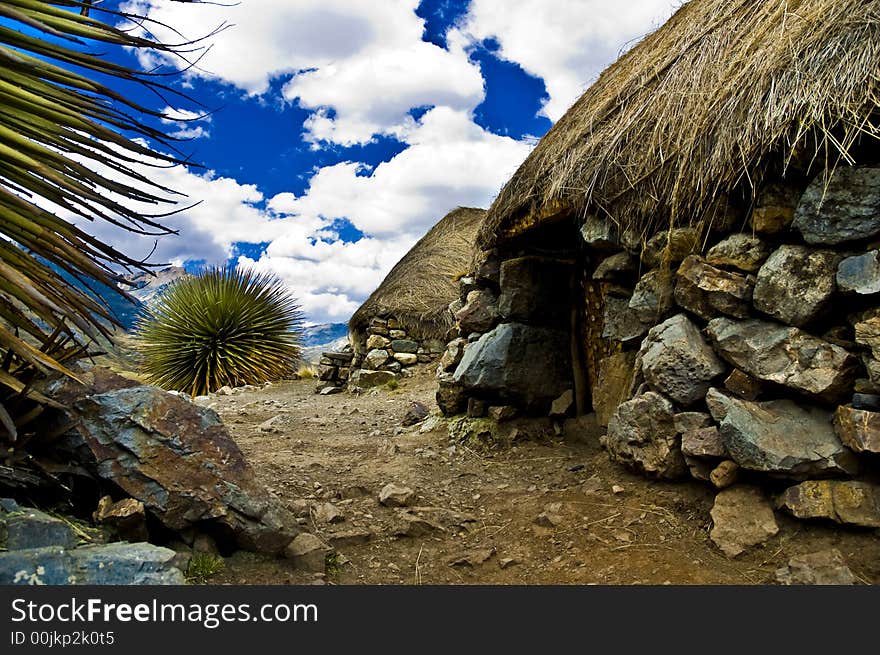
{"x": 26, "y": 527}
{"x": 375, "y": 359}
{"x": 127, "y": 517}
{"x": 108, "y": 564}
{"x": 393, "y": 495}
{"x": 178, "y": 460}
{"x": 786, "y": 356}
{"x": 642, "y": 436}
{"x": 613, "y": 385}
{"x": 796, "y": 283}
{"x": 487, "y": 268}
{"x": 377, "y": 342}
{"x": 453, "y": 354}
{"x": 677, "y": 361}
{"x": 742, "y": 385}
{"x": 652, "y": 298}
{"x": 858, "y": 429}
{"x": 616, "y": 267}
{"x": 742, "y": 517}
{"x": 687, "y": 421}
{"x": 599, "y": 233}
{"x": 529, "y": 366}
{"x": 563, "y": 405}
{"x": 415, "y": 413}
{"x": 308, "y": 553}
{"x": 852, "y": 503}
{"x": 867, "y": 333}
{"x": 860, "y": 274}
{"x": 451, "y": 396}
{"x": 480, "y": 312}
{"x": 846, "y": 209}
{"x": 708, "y": 291}
{"x": 405, "y": 346}
{"x": 744, "y": 252}
{"x": 775, "y": 208}
{"x": 366, "y": 379}
{"x": 502, "y": 413}
{"x": 535, "y": 291}
{"x": 670, "y": 246}
{"x": 406, "y": 359}
{"x": 703, "y": 442}
{"x": 779, "y": 437}
{"x": 826, "y": 567}
{"x": 620, "y": 322}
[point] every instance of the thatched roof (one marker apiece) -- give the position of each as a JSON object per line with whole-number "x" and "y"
{"x": 700, "y": 108}
{"x": 421, "y": 285}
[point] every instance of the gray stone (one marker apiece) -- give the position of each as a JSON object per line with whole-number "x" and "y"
{"x": 393, "y": 495}
{"x": 744, "y": 252}
{"x": 620, "y": 323}
{"x": 563, "y": 405}
{"x": 31, "y": 528}
{"x": 375, "y": 359}
{"x": 852, "y": 503}
{"x": 451, "y": 397}
{"x": 703, "y": 442}
{"x": 535, "y": 291}
{"x": 416, "y": 412}
{"x": 308, "y": 553}
{"x": 329, "y": 391}
{"x": 453, "y": 354}
{"x": 670, "y": 246}
{"x": 366, "y": 379}
{"x": 328, "y": 513}
{"x": 687, "y": 421}
{"x": 404, "y": 346}
{"x": 642, "y": 436}
{"x": 615, "y": 267}
{"x": 708, "y": 291}
{"x": 795, "y": 284}
{"x": 652, "y": 297}
{"x": 742, "y": 517}
{"x": 377, "y": 342}
{"x": 108, "y": 564}
{"x": 858, "y": 429}
{"x": 599, "y": 233}
{"x": 502, "y": 413}
{"x": 860, "y": 274}
{"x": 406, "y": 359}
{"x": 847, "y": 209}
{"x": 528, "y": 366}
{"x": 779, "y": 437}
{"x": 677, "y": 362}
{"x": 786, "y": 356}
{"x": 480, "y": 312}
{"x": 826, "y": 567}
{"x": 8, "y": 505}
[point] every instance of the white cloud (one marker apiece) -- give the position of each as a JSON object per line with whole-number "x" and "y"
{"x": 567, "y": 43}
{"x": 185, "y": 121}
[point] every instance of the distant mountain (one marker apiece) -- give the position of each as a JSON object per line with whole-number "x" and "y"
{"x": 316, "y": 335}
{"x": 149, "y": 285}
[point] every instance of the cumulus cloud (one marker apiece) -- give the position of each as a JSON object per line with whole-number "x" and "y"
{"x": 567, "y": 43}
{"x": 184, "y": 123}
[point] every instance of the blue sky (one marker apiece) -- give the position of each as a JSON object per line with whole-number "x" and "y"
{"x": 341, "y": 130}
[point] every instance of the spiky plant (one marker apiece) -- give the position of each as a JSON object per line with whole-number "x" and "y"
{"x": 224, "y": 327}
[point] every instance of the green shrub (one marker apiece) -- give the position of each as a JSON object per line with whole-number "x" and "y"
{"x": 223, "y": 327}
{"x": 392, "y": 384}
{"x": 204, "y": 565}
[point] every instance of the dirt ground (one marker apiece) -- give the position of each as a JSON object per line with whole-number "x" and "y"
{"x": 554, "y": 511}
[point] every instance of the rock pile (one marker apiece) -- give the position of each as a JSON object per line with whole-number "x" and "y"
{"x": 334, "y": 371}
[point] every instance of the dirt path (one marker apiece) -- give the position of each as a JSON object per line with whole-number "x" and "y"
{"x": 535, "y": 513}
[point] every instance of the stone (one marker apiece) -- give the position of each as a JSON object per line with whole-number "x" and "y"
{"x": 30, "y": 528}
{"x": 502, "y": 413}
{"x": 435, "y": 346}
{"x": 118, "y": 563}
{"x": 670, "y": 246}
{"x": 308, "y": 553}
{"x": 393, "y": 495}
{"x": 393, "y": 366}
{"x": 225, "y": 391}
{"x": 858, "y": 429}
{"x": 867, "y": 333}
{"x": 455, "y": 306}
{"x": 487, "y": 268}
{"x": 613, "y": 384}
{"x": 774, "y": 208}
{"x": 785, "y": 355}
{"x": 535, "y": 291}
{"x": 405, "y": 346}
{"x": 348, "y": 538}
{"x": 699, "y": 467}
{"x": 642, "y": 436}
{"x": 742, "y": 517}
{"x": 860, "y": 274}
{"x": 524, "y": 365}
{"x": 851, "y": 502}
{"x": 846, "y": 209}
{"x": 563, "y": 405}
{"x": 331, "y": 390}
{"x": 796, "y": 283}
{"x": 466, "y": 284}
{"x": 725, "y": 474}
{"x": 548, "y": 520}
{"x": 869, "y": 402}
{"x": 178, "y": 460}
{"x": 451, "y": 397}
{"x": 474, "y": 557}
{"x": 480, "y": 312}
{"x": 742, "y": 385}
{"x": 599, "y": 233}
{"x": 328, "y": 513}
{"x": 652, "y": 298}
{"x": 377, "y": 342}
{"x": 703, "y": 442}
{"x": 272, "y": 424}
{"x": 127, "y": 517}
{"x": 744, "y": 252}
{"x": 406, "y": 359}
{"x": 415, "y": 413}
{"x": 616, "y": 267}
{"x": 477, "y": 408}
{"x": 375, "y": 359}
{"x": 707, "y": 291}
{"x": 687, "y": 421}
{"x": 367, "y": 379}
{"x": 408, "y": 524}
{"x": 204, "y": 543}
{"x": 620, "y": 322}
{"x": 779, "y": 437}
{"x": 677, "y": 362}
{"x": 825, "y": 568}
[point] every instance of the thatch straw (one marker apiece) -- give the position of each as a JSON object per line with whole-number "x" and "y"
{"x": 421, "y": 285}
{"x": 701, "y": 107}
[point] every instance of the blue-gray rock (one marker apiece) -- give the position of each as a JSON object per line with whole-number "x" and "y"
{"x": 404, "y": 346}
{"x": 780, "y": 437}
{"x": 642, "y": 436}
{"x": 529, "y": 366}
{"x": 796, "y": 283}
{"x": 8, "y": 505}
{"x": 620, "y": 322}
{"x": 848, "y": 209}
{"x": 652, "y": 297}
{"x": 860, "y": 274}
{"x": 31, "y": 528}
{"x": 109, "y": 564}
{"x": 786, "y": 356}
{"x": 677, "y": 362}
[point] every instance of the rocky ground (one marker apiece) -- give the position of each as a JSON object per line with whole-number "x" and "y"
{"x": 553, "y": 511}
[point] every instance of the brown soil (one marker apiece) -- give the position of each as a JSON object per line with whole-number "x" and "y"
{"x": 481, "y": 507}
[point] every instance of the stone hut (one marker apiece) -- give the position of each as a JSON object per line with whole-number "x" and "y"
{"x": 691, "y": 253}
{"x": 406, "y": 320}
